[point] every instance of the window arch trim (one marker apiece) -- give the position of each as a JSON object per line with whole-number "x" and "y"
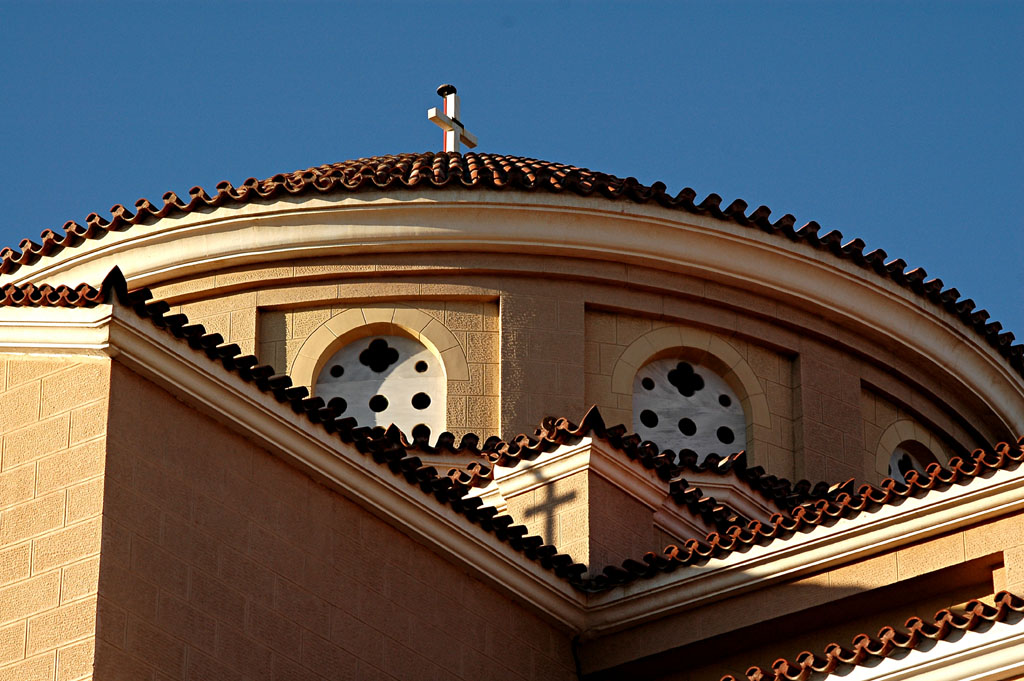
{"x": 357, "y": 322}
{"x": 702, "y": 347}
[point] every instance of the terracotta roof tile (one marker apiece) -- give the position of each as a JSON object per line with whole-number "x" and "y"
{"x": 803, "y": 518}
{"x": 780, "y": 492}
{"x": 890, "y": 641}
{"x": 390, "y": 447}
{"x": 44, "y": 295}
{"x": 432, "y": 170}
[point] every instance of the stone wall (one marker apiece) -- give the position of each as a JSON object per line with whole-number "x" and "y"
{"x": 222, "y": 562}
{"x": 53, "y": 416}
{"x": 561, "y": 326}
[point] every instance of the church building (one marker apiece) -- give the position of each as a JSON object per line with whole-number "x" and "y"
{"x": 475, "y": 416}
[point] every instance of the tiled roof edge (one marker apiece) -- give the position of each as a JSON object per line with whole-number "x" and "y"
{"x": 844, "y": 504}
{"x": 438, "y": 170}
{"x": 867, "y": 650}
{"x": 44, "y": 295}
{"x": 555, "y": 432}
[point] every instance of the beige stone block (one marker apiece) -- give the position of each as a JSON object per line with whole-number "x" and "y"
{"x": 412, "y": 319}
{"x": 378, "y": 314}
{"x": 455, "y": 365}
{"x": 85, "y": 500}
{"x": 79, "y": 579}
{"x": 492, "y": 379}
{"x": 184, "y": 287}
{"x": 254, "y": 274}
{"x": 481, "y": 347}
{"x": 242, "y": 325}
{"x": 31, "y": 518}
{"x": 599, "y": 327}
{"x": 220, "y": 323}
{"x": 482, "y": 411}
{"x": 609, "y": 357}
{"x": 439, "y": 336}
{"x": 58, "y": 627}
{"x": 17, "y": 485}
{"x": 29, "y": 369}
{"x": 29, "y": 597}
{"x": 320, "y": 269}
{"x": 297, "y": 294}
{"x": 12, "y": 642}
{"x": 88, "y": 422}
{"x": 219, "y": 305}
{"x": 15, "y": 563}
{"x": 85, "y": 382}
{"x": 464, "y": 315}
{"x": 865, "y": 575}
{"x": 629, "y": 329}
{"x": 75, "y": 661}
{"x": 930, "y": 555}
{"x": 19, "y": 407}
{"x": 664, "y": 338}
{"x": 993, "y": 537}
{"x": 38, "y": 668}
{"x": 591, "y": 358}
{"x": 3, "y": 374}
{"x": 1014, "y": 563}
{"x": 36, "y": 440}
{"x": 67, "y": 545}
{"x": 305, "y": 322}
{"x": 456, "y": 411}
{"x": 69, "y": 467}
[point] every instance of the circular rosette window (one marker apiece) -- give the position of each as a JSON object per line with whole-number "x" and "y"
{"x": 383, "y": 380}
{"x": 687, "y": 408}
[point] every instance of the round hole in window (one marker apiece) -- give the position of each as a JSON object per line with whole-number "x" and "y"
{"x": 421, "y": 400}
{"x": 338, "y": 404}
{"x": 696, "y": 408}
{"x": 417, "y": 370}
{"x": 647, "y": 383}
{"x": 337, "y": 371}
{"x": 649, "y": 418}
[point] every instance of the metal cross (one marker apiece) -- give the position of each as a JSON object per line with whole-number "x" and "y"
{"x": 448, "y": 120}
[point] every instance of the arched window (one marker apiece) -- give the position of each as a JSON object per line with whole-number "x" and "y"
{"x": 909, "y": 455}
{"x": 687, "y": 407}
{"x": 380, "y": 380}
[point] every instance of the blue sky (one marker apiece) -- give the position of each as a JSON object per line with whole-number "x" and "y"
{"x": 896, "y": 122}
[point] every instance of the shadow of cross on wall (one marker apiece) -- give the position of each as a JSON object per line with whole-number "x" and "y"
{"x": 547, "y": 503}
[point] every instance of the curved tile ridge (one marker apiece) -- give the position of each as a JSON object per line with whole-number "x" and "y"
{"x": 555, "y": 432}
{"x": 868, "y": 650}
{"x": 845, "y": 503}
{"x": 440, "y": 170}
{"x": 44, "y": 295}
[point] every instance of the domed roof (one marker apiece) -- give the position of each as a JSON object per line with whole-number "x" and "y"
{"x": 482, "y": 171}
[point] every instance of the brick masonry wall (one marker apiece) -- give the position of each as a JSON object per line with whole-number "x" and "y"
{"x": 222, "y": 562}
{"x": 53, "y": 415}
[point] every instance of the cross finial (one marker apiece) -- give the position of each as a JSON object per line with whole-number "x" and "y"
{"x": 448, "y": 120}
